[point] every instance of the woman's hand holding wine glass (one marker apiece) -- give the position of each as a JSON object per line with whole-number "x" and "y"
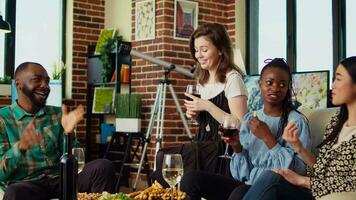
{"x": 195, "y": 91}
{"x": 172, "y": 169}
{"x": 229, "y": 129}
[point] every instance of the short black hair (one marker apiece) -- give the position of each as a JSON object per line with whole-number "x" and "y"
{"x": 23, "y": 67}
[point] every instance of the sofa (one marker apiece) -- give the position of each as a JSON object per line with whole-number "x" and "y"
{"x": 318, "y": 119}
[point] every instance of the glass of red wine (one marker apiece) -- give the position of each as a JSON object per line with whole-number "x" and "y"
{"x": 229, "y": 127}
{"x": 193, "y": 90}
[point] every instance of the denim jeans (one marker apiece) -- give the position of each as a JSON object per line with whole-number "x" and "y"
{"x": 272, "y": 186}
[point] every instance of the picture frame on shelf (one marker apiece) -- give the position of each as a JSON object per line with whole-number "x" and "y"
{"x": 145, "y": 20}
{"x": 105, "y": 35}
{"x": 185, "y": 19}
{"x": 103, "y": 100}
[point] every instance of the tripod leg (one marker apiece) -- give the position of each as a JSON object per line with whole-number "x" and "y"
{"x": 148, "y": 132}
{"x": 159, "y": 135}
{"x": 160, "y": 117}
{"x": 182, "y": 117}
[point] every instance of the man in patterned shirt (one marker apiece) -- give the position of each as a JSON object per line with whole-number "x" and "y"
{"x": 31, "y": 142}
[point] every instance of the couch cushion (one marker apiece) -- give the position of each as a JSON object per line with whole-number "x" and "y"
{"x": 318, "y": 119}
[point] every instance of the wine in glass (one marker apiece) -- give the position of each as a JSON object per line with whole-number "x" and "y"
{"x": 193, "y": 90}
{"x": 172, "y": 169}
{"x": 78, "y": 153}
{"x": 228, "y": 128}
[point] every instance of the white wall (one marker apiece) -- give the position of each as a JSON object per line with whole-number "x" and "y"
{"x": 118, "y": 16}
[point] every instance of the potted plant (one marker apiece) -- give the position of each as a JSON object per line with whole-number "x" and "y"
{"x": 128, "y": 112}
{"x": 5, "y": 86}
{"x": 107, "y": 48}
{"x": 55, "y": 97}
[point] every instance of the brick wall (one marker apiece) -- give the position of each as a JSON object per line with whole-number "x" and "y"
{"x": 88, "y": 20}
{"x": 146, "y": 76}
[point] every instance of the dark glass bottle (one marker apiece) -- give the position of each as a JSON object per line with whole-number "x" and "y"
{"x": 69, "y": 172}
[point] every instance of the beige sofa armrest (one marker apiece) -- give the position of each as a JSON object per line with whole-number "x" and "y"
{"x": 318, "y": 119}
{"x": 339, "y": 196}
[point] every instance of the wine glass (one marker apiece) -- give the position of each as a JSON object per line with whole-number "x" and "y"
{"x": 229, "y": 127}
{"x": 172, "y": 169}
{"x": 193, "y": 90}
{"x": 78, "y": 153}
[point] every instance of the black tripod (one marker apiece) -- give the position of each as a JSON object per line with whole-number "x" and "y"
{"x": 158, "y": 111}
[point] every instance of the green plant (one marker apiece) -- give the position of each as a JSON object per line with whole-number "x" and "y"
{"x": 59, "y": 69}
{"x": 128, "y": 105}
{"x": 105, "y": 52}
{"x": 5, "y": 80}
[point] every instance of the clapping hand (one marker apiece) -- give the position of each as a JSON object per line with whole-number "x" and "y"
{"x": 72, "y": 118}
{"x": 30, "y": 136}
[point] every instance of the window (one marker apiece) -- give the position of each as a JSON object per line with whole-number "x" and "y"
{"x": 351, "y": 28}
{"x": 2, "y": 42}
{"x": 38, "y": 33}
{"x": 272, "y": 30}
{"x": 312, "y": 33}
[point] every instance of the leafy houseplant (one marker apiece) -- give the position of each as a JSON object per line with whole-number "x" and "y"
{"x": 128, "y": 112}
{"x": 59, "y": 70}
{"x": 5, "y": 86}
{"x": 105, "y": 52}
{"x": 5, "y": 80}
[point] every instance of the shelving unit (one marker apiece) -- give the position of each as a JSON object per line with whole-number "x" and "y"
{"x": 123, "y": 148}
{"x": 94, "y": 80}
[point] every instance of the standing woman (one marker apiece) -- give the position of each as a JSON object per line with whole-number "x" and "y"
{"x": 334, "y": 169}
{"x": 223, "y": 93}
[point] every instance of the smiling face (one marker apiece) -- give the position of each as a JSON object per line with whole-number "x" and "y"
{"x": 343, "y": 90}
{"x": 206, "y": 53}
{"x": 274, "y": 85}
{"x": 32, "y": 86}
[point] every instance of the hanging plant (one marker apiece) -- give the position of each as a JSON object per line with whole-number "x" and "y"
{"x": 105, "y": 52}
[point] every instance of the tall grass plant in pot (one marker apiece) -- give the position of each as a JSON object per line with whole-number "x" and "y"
{"x": 128, "y": 112}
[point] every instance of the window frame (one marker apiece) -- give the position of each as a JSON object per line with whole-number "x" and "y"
{"x": 338, "y": 32}
{"x": 10, "y": 39}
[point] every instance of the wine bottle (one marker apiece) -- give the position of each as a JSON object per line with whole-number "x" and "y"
{"x": 69, "y": 172}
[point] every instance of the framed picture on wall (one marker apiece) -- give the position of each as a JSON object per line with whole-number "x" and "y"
{"x": 311, "y": 89}
{"x": 185, "y": 19}
{"x": 145, "y": 20}
{"x": 103, "y": 99}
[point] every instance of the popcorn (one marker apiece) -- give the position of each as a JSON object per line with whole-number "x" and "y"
{"x": 254, "y": 114}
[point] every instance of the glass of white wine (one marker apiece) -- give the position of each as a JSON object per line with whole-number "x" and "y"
{"x": 78, "y": 153}
{"x": 172, "y": 169}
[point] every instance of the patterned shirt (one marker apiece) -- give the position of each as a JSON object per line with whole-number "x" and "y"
{"x": 335, "y": 168}
{"x": 39, "y": 161}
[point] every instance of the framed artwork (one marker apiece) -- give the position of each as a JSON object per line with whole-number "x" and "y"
{"x": 145, "y": 20}
{"x": 310, "y": 88}
{"x": 103, "y": 99}
{"x": 105, "y": 34}
{"x": 185, "y": 19}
